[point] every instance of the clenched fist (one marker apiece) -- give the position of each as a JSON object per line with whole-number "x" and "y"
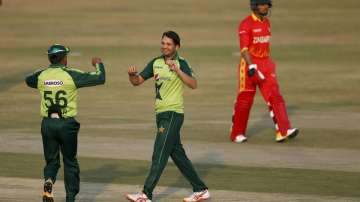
{"x": 95, "y": 60}
{"x": 172, "y": 65}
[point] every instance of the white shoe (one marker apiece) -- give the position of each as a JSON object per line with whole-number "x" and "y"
{"x": 139, "y": 197}
{"x": 240, "y": 138}
{"x": 198, "y": 196}
{"x": 292, "y": 133}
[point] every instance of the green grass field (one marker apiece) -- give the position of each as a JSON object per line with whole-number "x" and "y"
{"x": 315, "y": 45}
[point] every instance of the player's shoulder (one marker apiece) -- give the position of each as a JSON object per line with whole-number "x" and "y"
{"x": 72, "y": 70}
{"x": 248, "y": 19}
{"x": 39, "y": 70}
{"x": 182, "y": 59}
{"x": 154, "y": 59}
{"x": 160, "y": 57}
{"x": 183, "y": 62}
{"x": 44, "y": 71}
{"x": 246, "y": 22}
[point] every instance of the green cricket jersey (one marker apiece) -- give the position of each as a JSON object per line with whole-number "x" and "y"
{"x": 169, "y": 87}
{"x": 58, "y": 84}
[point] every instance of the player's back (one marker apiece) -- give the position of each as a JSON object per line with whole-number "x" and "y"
{"x": 56, "y": 86}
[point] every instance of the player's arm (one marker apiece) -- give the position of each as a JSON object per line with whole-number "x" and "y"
{"x": 32, "y": 79}
{"x": 246, "y": 56}
{"x": 244, "y": 33}
{"x": 137, "y": 79}
{"x": 187, "y": 79}
{"x": 184, "y": 72}
{"x": 134, "y": 78}
{"x": 245, "y": 37}
{"x": 87, "y": 79}
{"x": 252, "y": 67}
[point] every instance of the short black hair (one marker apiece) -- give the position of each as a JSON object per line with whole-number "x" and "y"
{"x": 56, "y": 58}
{"x": 172, "y": 35}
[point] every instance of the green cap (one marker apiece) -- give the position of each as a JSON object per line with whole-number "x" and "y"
{"x": 58, "y": 49}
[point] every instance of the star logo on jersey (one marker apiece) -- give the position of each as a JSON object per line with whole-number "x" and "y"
{"x": 157, "y": 91}
{"x": 161, "y": 129}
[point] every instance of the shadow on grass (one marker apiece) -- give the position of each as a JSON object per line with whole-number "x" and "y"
{"x": 106, "y": 175}
{"x": 203, "y": 170}
{"x": 265, "y": 121}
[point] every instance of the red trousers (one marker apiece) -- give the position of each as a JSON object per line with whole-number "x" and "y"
{"x": 270, "y": 91}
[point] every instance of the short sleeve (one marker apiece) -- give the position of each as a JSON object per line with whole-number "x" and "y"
{"x": 244, "y": 35}
{"x": 32, "y": 79}
{"x": 148, "y": 71}
{"x": 87, "y": 79}
{"x": 185, "y": 67}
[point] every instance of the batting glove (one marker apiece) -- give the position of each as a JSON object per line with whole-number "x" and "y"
{"x": 252, "y": 69}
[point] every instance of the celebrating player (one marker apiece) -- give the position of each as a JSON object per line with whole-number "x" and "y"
{"x": 58, "y": 86}
{"x": 257, "y": 69}
{"x": 170, "y": 72}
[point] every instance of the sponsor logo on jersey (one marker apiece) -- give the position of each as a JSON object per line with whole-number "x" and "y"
{"x": 53, "y": 83}
{"x": 257, "y": 30}
{"x": 157, "y": 67}
{"x": 261, "y": 39}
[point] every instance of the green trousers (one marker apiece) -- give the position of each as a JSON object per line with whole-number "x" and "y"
{"x": 60, "y": 135}
{"x": 168, "y": 144}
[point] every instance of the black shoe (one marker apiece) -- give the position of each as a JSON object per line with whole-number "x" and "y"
{"x": 293, "y": 133}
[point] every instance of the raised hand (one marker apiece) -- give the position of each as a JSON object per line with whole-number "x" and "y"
{"x": 95, "y": 60}
{"x": 132, "y": 71}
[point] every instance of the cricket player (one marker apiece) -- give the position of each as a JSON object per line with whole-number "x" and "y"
{"x": 256, "y": 69}
{"x": 58, "y": 86}
{"x": 171, "y": 73}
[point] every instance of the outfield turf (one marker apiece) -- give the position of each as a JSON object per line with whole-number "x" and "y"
{"x": 254, "y": 179}
{"x": 315, "y": 45}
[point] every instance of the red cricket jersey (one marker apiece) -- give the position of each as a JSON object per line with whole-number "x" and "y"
{"x": 254, "y": 36}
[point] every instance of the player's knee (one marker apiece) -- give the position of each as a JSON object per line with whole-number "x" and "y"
{"x": 244, "y": 103}
{"x": 71, "y": 162}
{"x": 53, "y": 162}
{"x": 276, "y": 98}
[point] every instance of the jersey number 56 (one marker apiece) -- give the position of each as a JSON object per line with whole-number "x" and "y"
{"x": 58, "y": 99}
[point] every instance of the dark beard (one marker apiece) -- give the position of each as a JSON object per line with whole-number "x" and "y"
{"x": 264, "y": 14}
